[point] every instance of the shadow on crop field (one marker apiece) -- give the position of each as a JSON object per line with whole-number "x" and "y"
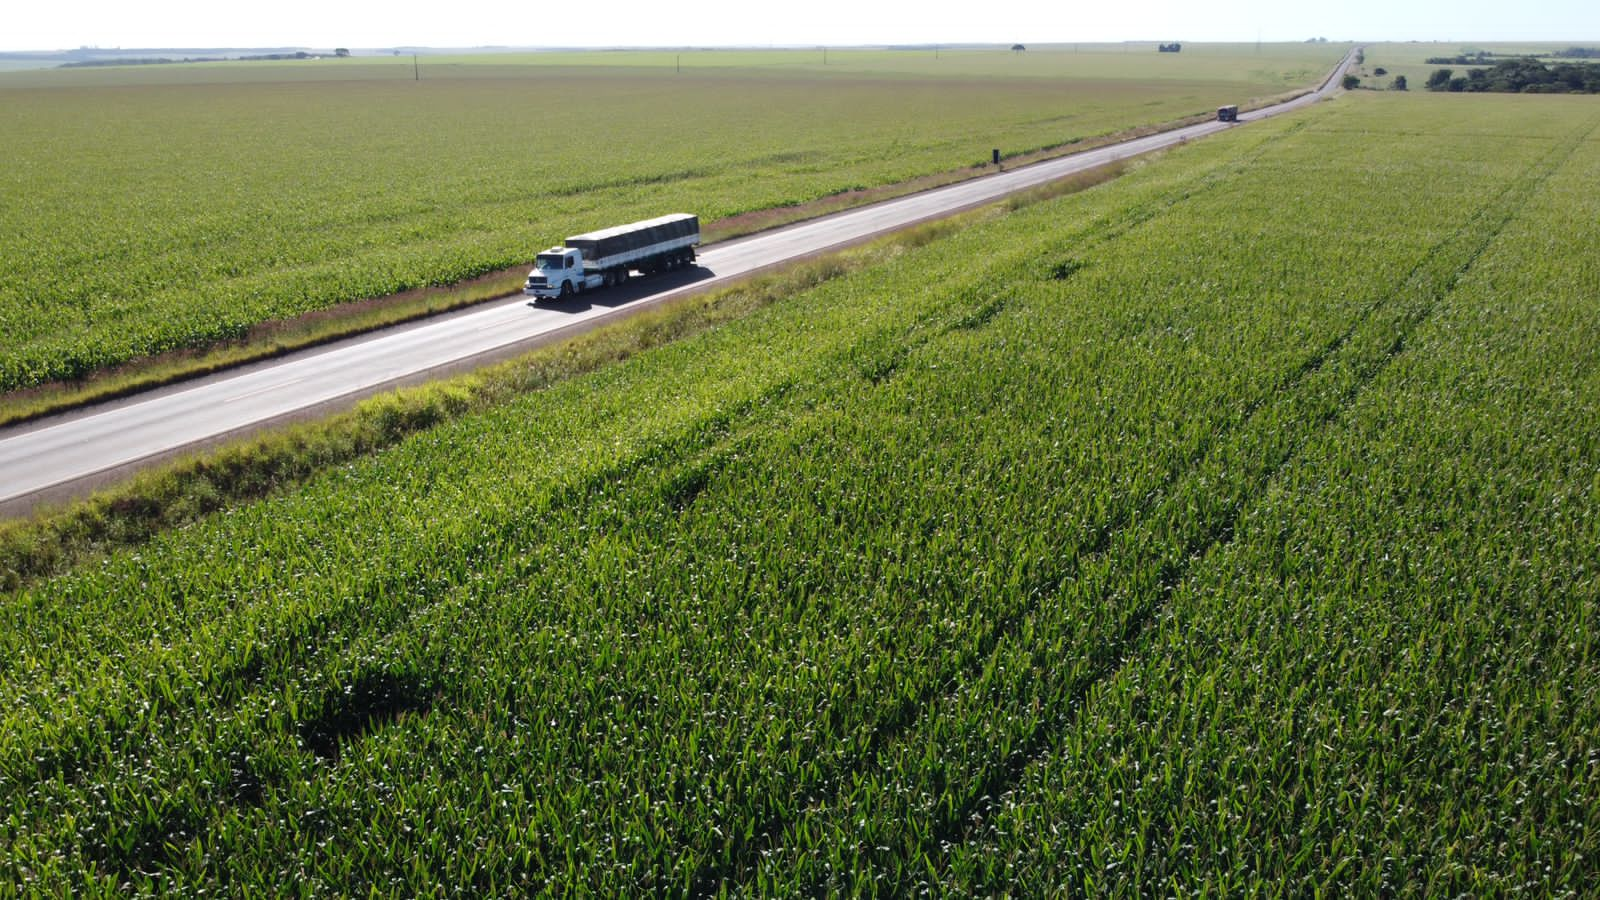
{"x": 371, "y": 701}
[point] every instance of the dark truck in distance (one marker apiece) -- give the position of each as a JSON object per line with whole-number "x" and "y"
{"x": 1228, "y": 113}
{"x": 607, "y": 257}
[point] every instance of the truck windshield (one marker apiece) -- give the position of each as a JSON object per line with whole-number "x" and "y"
{"x": 550, "y": 261}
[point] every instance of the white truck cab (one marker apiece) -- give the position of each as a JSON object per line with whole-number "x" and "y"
{"x": 559, "y": 272}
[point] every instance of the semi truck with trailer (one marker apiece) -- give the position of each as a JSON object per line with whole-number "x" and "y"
{"x": 610, "y": 256}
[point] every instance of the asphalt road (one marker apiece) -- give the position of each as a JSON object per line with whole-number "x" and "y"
{"x": 63, "y": 456}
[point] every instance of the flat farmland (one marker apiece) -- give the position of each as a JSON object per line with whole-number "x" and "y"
{"x": 1224, "y": 529}
{"x": 148, "y": 209}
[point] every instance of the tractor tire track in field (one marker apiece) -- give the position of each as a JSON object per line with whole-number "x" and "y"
{"x": 1429, "y": 281}
{"x": 1435, "y": 277}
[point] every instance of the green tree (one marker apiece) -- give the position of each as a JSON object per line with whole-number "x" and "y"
{"x": 1399, "y": 83}
{"x": 1439, "y": 80}
{"x": 1351, "y": 82}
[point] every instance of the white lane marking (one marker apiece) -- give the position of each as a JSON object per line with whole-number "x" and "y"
{"x": 275, "y": 386}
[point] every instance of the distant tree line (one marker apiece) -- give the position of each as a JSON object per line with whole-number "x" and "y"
{"x": 141, "y": 61}
{"x": 1520, "y": 76}
{"x": 1483, "y": 57}
{"x": 164, "y": 61}
{"x": 300, "y": 54}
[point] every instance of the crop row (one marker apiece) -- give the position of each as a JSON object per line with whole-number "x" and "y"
{"x": 1049, "y": 554}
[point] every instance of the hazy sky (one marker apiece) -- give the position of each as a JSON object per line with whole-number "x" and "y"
{"x": 467, "y": 23}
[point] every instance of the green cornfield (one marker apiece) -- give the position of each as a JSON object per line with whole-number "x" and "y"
{"x": 1229, "y": 528}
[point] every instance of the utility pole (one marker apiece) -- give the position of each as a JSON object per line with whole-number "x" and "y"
{"x": 416, "y": 70}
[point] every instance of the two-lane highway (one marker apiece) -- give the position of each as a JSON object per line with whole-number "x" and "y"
{"x": 70, "y": 454}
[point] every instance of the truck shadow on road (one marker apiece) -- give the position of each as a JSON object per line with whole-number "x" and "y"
{"x": 640, "y": 287}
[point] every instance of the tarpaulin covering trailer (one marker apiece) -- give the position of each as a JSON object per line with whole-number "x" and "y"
{"x": 600, "y": 246}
